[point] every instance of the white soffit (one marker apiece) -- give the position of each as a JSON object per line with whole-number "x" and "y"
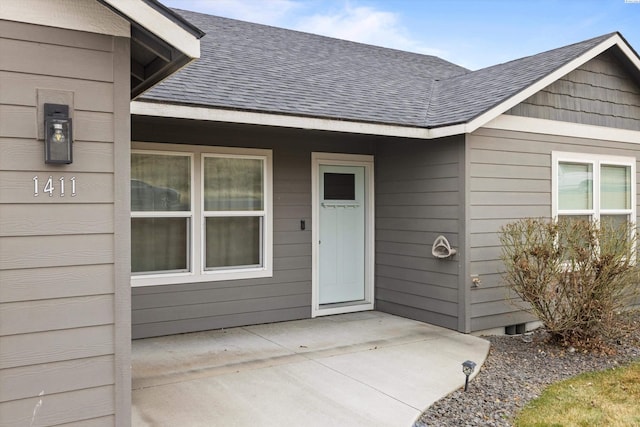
{"x": 553, "y": 127}
{"x": 614, "y": 40}
{"x": 163, "y": 27}
{"x": 80, "y": 15}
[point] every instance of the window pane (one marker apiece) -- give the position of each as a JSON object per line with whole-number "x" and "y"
{"x": 159, "y": 244}
{"x": 233, "y": 241}
{"x": 160, "y": 182}
{"x": 339, "y": 186}
{"x": 575, "y": 186}
{"x": 615, "y": 187}
{"x": 614, "y": 221}
{"x": 233, "y": 184}
{"x": 573, "y": 234}
{"x": 617, "y": 224}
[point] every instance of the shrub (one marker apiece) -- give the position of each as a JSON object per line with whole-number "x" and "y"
{"x": 575, "y": 275}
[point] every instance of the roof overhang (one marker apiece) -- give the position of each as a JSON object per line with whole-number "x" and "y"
{"x": 162, "y": 42}
{"x": 145, "y": 108}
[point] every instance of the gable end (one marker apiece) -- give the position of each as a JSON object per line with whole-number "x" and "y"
{"x": 601, "y": 92}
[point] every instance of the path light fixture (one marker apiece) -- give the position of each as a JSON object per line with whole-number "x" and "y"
{"x": 467, "y": 369}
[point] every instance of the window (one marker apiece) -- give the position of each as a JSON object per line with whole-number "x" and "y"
{"x": 200, "y": 215}
{"x": 599, "y": 188}
{"x": 339, "y": 186}
{"x": 162, "y": 212}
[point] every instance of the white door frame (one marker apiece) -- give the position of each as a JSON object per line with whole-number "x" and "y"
{"x": 338, "y": 159}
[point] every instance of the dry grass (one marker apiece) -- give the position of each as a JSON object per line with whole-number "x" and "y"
{"x": 607, "y": 398}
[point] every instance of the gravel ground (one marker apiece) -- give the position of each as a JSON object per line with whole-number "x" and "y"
{"x": 516, "y": 371}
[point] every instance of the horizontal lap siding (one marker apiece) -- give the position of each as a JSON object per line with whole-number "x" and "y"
{"x": 57, "y": 350}
{"x": 600, "y": 92}
{"x": 170, "y": 309}
{"x": 510, "y": 178}
{"x": 418, "y": 198}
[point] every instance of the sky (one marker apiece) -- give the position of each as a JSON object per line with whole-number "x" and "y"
{"x": 470, "y": 33}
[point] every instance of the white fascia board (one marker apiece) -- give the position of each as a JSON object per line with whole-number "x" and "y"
{"x": 79, "y": 15}
{"x": 546, "y": 81}
{"x": 268, "y": 119}
{"x": 158, "y": 24}
{"x": 441, "y": 132}
{"x": 553, "y": 127}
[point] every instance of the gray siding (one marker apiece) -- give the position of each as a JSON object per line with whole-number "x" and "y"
{"x": 510, "y": 178}
{"x": 601, "y": 92}
{"x": 58, "y": 270}
{"x": 418, "y": 197}
{"x": 169, "y": 309}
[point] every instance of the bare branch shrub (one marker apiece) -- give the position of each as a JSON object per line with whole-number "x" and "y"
{"x": 575, "y": 275}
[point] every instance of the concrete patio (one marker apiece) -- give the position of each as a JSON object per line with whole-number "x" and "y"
{"x": 361, "y": 369}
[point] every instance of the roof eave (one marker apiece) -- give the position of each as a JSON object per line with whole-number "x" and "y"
{"x": 208, "y": 113}
{"x": 162, "y": 22}
{"x": 172, "y": 41}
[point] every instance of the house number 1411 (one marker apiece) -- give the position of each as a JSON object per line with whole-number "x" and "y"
{"x": 53, "y": 186}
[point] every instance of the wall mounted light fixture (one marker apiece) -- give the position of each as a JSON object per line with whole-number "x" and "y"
{"x": 57, "y": 134}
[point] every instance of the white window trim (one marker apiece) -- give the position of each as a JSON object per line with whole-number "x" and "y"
{"x": 596, "y": 160}
{"x": 197, "y": 273}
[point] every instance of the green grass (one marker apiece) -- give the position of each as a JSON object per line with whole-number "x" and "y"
{"x": 606, "y": 398}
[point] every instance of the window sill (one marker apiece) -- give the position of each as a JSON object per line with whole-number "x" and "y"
{"x": 207, "y": 276}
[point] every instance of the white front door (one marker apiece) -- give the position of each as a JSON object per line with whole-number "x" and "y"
{"x": 343, "y": 236}
{"x": 341, "y": 244}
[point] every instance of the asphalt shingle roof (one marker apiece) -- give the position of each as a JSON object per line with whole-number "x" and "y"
{"x": 253, "y": 67}
{"x": 460, "y": 99}
{"x": 260, "y": 68}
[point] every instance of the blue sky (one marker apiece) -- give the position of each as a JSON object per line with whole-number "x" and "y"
{"x": 471, "y": 33}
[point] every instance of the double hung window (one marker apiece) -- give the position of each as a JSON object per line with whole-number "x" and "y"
{"x": 200, "y": 215}
{"x": 594, "y": 187}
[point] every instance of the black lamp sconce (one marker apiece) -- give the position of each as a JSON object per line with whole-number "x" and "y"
{"x": 57, "y": 134}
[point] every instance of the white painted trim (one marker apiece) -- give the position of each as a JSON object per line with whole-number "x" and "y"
{"x": 367, "y": 161}
{"x": 553, "y": 127}
{"x": 270, "y": 119}
{"x": 597, "y": 161}
{"x": 141, "y": 108}
{"x": 550, "y": 78}
{"x": 197, "y": 272}
{"x": 79, "y": 15}
{"x": 158, "y": 24}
